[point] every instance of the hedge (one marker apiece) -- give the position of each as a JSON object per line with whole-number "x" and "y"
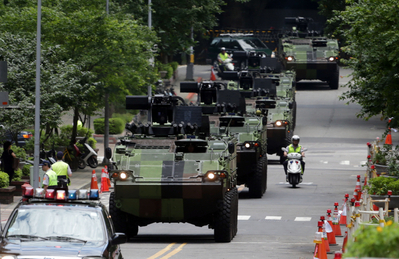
{"x": 4, "y": 180}
{"x": 116, "y": 125}
{"x": 26, "y": 169}
{"x": 17, "y": 175}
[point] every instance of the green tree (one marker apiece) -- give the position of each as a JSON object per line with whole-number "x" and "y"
{"x": 114, "y": 47}
{"x": 61, "y": 83}
{"x": 373, "y": 45}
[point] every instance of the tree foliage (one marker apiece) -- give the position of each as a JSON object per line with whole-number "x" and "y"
{"x": 371, "y": 28}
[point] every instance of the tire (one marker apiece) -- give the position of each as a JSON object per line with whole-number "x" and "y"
{"x": 225, "y": 219}
{"x": 235, "y": 211}
{"x": 81, "y": 163}
{"x": 293, "y": 116}
{"x": 334, "y": 82}
{"x": 257, "y": 183}
{"x": 265, "y": 163}
{"x": 92, "y": 161}
{"x": 294, "y": 180}
{"x": 120, "y": 219}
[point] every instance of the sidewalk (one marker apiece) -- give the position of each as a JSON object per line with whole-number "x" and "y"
{"x": 80, "y": 179}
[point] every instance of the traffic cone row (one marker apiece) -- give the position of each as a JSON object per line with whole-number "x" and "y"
{"x": 342, "y": 217}
{"x": 357, "y": 194}
{"x": 105, "y": 180}
{"x": 319, "y": 249}
{"x": 94, "y": 184}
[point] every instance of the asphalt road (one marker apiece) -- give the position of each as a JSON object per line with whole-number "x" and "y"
{"x": 281, "y": 224}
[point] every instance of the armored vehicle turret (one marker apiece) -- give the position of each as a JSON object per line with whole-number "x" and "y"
{"x": 167, "y": 170}
{"x": 310, "y": 54}
{"x": 228, "y": 118}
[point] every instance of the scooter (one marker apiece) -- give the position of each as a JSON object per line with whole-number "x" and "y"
{"x": 294, "y": 167}
{"x": 227, "y": 65}
{"x": 89, "y": 156}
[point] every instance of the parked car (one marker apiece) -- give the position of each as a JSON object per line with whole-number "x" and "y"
{"x": 23, "y": 136}
{"x": 235, "y": 42}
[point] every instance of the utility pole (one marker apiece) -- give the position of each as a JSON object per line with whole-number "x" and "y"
{"x": 190, "y": 65}
{"x": 106, "y": 111}
{"x": 37, "y": 98}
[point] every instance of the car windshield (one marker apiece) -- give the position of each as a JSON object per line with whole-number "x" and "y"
{"x": 72, "y": 223}
{"x": 247, "y": 44}
{"x": 258, "y": 43}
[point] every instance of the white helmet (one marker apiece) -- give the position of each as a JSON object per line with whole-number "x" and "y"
{"x": 295, "y": 137}
{"x": 223, "y": 48}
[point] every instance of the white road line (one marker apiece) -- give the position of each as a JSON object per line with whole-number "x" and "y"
{"x": 243, "y": 217}
{"x": 273, "y": 218}
{"x": 302, "y": 219}
{"x": 345, "y": 162}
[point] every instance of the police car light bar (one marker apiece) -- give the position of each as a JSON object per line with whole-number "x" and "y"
{"x": 60, "y": 195}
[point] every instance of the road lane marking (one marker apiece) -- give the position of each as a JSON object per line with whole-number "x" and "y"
{"x": 243, "y": 217}
{"x": 346, "y": 162}
{"x": 174, "y": 251}
{"x": 162, "y": 251}
{"x": 302, "y": 219}
{"x": 273, "y": 218}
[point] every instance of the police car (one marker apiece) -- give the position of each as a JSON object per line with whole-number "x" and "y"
{"x": 59, "y": 224}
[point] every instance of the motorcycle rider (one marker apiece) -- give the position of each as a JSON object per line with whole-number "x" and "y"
{"x": 222, "y": 57}
{"x": 294, "y": 147}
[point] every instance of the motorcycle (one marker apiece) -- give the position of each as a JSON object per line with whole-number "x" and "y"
{"x": 88, "y": 157}
{"x": 294, "y": 167}
{"x": 227, "y": 65}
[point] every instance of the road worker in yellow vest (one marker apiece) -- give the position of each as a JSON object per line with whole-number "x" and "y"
{"x": 61, "y": 168}
{"x": 50, "y": 177}
{"x": 294, "y": 147}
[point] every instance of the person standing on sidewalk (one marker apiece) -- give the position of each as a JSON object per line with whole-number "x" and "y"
{"x": 62, "y": 169}
{"x": 7, "y": 160}
{"x": 50, "y": 177}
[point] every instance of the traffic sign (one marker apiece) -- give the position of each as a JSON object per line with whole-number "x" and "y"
{"x": 4, "y": 99}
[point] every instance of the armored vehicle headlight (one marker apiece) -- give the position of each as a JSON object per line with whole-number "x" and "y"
{"x": 247, "y": 145}
{"x": 279, "y": 123}
{"x": 289, "y": 58}
{"x": 211, "y": 176}
{"x": 123, "y": 175}
{"x": 331, "y": 59}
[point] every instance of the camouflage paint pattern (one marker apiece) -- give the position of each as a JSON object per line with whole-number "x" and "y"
{"x": 168, "y": 186}
{"x": 310, "y": 62}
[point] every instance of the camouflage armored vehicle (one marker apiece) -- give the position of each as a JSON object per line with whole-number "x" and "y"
{"x": 269, "y": 91}
{"x": 166, "y": 173}
{"x": 226, "y": 111}
{"x": 310, "y": 54}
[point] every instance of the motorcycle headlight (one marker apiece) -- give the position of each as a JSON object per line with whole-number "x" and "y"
{"x": 290, "y": 58}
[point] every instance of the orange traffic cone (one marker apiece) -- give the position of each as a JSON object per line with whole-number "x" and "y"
{"x": 213, "y": 77}
{"x": 358, "y": 190}
{"x": 94, "y": 184}
{"x": 104, "y": 183}
{"x": 319, "y": 249}
{"x": 322, "y": 229}
{"x": 388, "y": 139}
{"x": 342, "y": 218}
{"x": 345, "y": 240}
{"x": 107, "y": 175}
{"x": 338, "y": 255}
{"x": 330, "y": 235}
{"x": 337, "y": 228}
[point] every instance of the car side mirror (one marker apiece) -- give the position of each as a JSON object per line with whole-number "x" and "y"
{"x": 108, "y": 153}
{"x": 118, "y": 238}
{"x": 231, "y": 147}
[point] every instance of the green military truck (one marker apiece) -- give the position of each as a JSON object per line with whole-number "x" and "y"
{"x": 167, "y": 171}
{"x": 310, "y": 54}
{"x": 226, "y": 111}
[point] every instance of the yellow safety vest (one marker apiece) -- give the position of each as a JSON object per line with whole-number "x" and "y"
{"x": 52, "y": 178}
{"x": 223, "y": 57}
{"x": 291, "y": 149}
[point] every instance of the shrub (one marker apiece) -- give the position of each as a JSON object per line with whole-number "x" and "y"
{"x": 174, "y": 65}
{"x": 381, "y": 185}
{"x": 4, "y": 180}
{"x": 17, "y": 175}
{"x": 127, "y": 117}
{"x": 116, "y": 126}
{"x": 26, "y": 169}
{"x": 376, "y": 242}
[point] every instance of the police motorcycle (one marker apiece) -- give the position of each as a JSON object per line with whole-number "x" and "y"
{"x": 294, "y": 167}
{"x": 226, "y": 65}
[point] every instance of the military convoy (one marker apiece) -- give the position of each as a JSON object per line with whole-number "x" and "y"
{"x": 228, "y": 118}
{"x": 169, "y": 170}
{"x": 311, "y": 55}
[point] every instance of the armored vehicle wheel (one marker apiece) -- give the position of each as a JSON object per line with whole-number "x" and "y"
{"x": 119, "y": 218}
{"x": 265, "y": 163}
{"x": 257, "y": 183}
{"x": 334, "y": 81}
{"x": 294, "y": 116}
{"x": 225, "y": 221}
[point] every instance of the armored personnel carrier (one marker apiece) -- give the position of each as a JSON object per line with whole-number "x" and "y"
{"x": 167, "y": 171}
{"x": 310, "y": 54}
{"x": 269, "y": 91}
{"x": 226, "y": 111}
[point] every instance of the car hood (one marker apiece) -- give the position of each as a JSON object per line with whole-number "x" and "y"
{"x": 50, "y": 249}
